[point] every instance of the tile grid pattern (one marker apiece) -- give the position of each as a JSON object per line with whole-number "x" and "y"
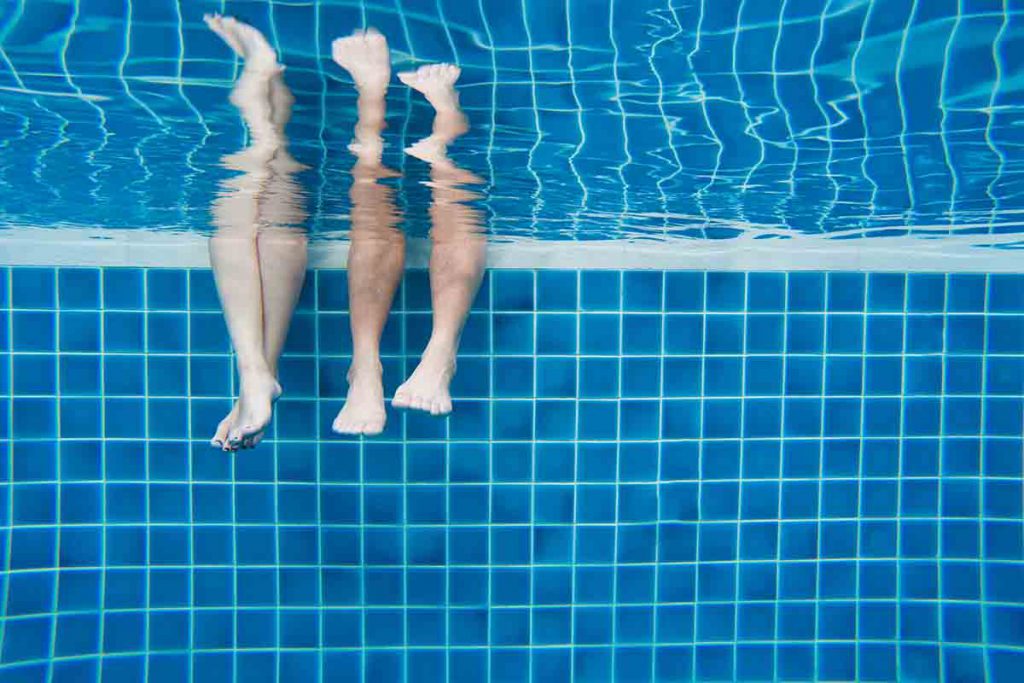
{"x": 657, "y": 475}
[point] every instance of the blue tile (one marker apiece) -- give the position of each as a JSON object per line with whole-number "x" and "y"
{"x": 513, "y": 333}
{"x": 684, "y": 291}
{"x": 124, "y": 375}
{"x": 684, "y": 334}
{"x": 123, "y": 332}
{"x": 35, "y": 331}
{"x": 725, "y": 291}
{"x": 556, "y": 333}
{"x": 557, "y": 290}
{"x": 926, "y": 293}
{"x": 33, "y": 288}
{"x": 556, "y": 377}
{"x": 34, "y": 374}
{"x": 332, "y": 290}
{"x": 166, "y": 290}
{"x": 33, "y": 418}
{"x": 642, "y": 290}
{"x": 600, "y": 290}
{"x": 599, "y": 334}
{"x": 806, "y": 292}
{"x": 766, "y": 291}
{"x": 765, "y": 334}
{"x": 924, "y": 333}
{"x": 641, "y": 377}
{"x": 167, "y": 332}
{"x": 966, "y": 293}
{"x": 845, "y": 334}
{"x": 208, "y": 333}
{"x": 724, "y": 334}
{"x": 680, "y": 419}
{"x": 79, "y": 288}
{"x": 556, "y": 420}
{"x": 513, "y": 378}
{"x": 886, "y": 292}
{"x": 599, "y": 377}
{"x": 1006, "y": 293}
{"x": 512, "y": 290}
{"x": 884, "y": 334}
{"x": 80, "y": 375}
{"x": 122, "y": 288}
{"x": 846, "y": 292}
{"x": 805, "y": 333}
{"x": 203, "y": 291}
{"x": 723, "y": 376}
{"x": 1005, "y": 334}
{"x": 641, "y": 334}
{"x": 597, "y": 420}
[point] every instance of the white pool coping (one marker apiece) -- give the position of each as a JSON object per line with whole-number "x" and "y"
{"x": 149, "y": 248}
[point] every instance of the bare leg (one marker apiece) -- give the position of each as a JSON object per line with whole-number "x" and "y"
{"x": 377, "y": 251}
{"x": 258, "y": 253}
{"x": 457, "y": 254}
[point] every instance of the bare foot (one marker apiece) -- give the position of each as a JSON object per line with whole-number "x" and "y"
{"x": 365, "y": 56}
{"x": 363, "y": 412}
{"x": 427, "y": 387}
{"x": 437, "y": 83}
{"x": 254, "y": 409}
{"x": 247, "y": 42}
{"x": 220, "y": 437}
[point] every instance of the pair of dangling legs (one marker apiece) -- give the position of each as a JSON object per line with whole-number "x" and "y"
{"x": 377, "y": 252}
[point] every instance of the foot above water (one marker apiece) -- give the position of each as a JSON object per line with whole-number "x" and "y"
{"x": 437, "y": 83}
{"x": 247, "y": 42}
{"x": 365, "y": 56}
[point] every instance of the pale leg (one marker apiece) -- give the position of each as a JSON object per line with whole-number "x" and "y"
{"x": 258, "y": 253}
{"x": 377, "y": 250}
{"x": 457, "y": 253}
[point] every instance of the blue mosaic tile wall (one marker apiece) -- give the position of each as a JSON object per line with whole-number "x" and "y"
{"x": 647, "y": 476}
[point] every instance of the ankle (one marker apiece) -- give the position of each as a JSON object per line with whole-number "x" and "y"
{"x": 254, "y": 370}
{"x": 365, "y": 366}
{"x": 440, "y": 349}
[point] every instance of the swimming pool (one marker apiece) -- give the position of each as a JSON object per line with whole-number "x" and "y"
{"x": 740, "y": 396}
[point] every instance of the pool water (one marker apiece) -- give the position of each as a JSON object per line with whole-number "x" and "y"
{"x": 741, "y": 396}
{"x": 592, "y": 119}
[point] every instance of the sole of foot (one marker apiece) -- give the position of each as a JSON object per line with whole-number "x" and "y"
{"x": 365, "y": 56}
{"x": 436, "y": 82}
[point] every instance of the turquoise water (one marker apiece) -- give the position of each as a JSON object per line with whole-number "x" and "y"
{"x": 768, "y": 426}
{"x": 591, "y": 118}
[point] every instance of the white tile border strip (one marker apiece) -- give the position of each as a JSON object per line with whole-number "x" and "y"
{"x": 147, "y": 248}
